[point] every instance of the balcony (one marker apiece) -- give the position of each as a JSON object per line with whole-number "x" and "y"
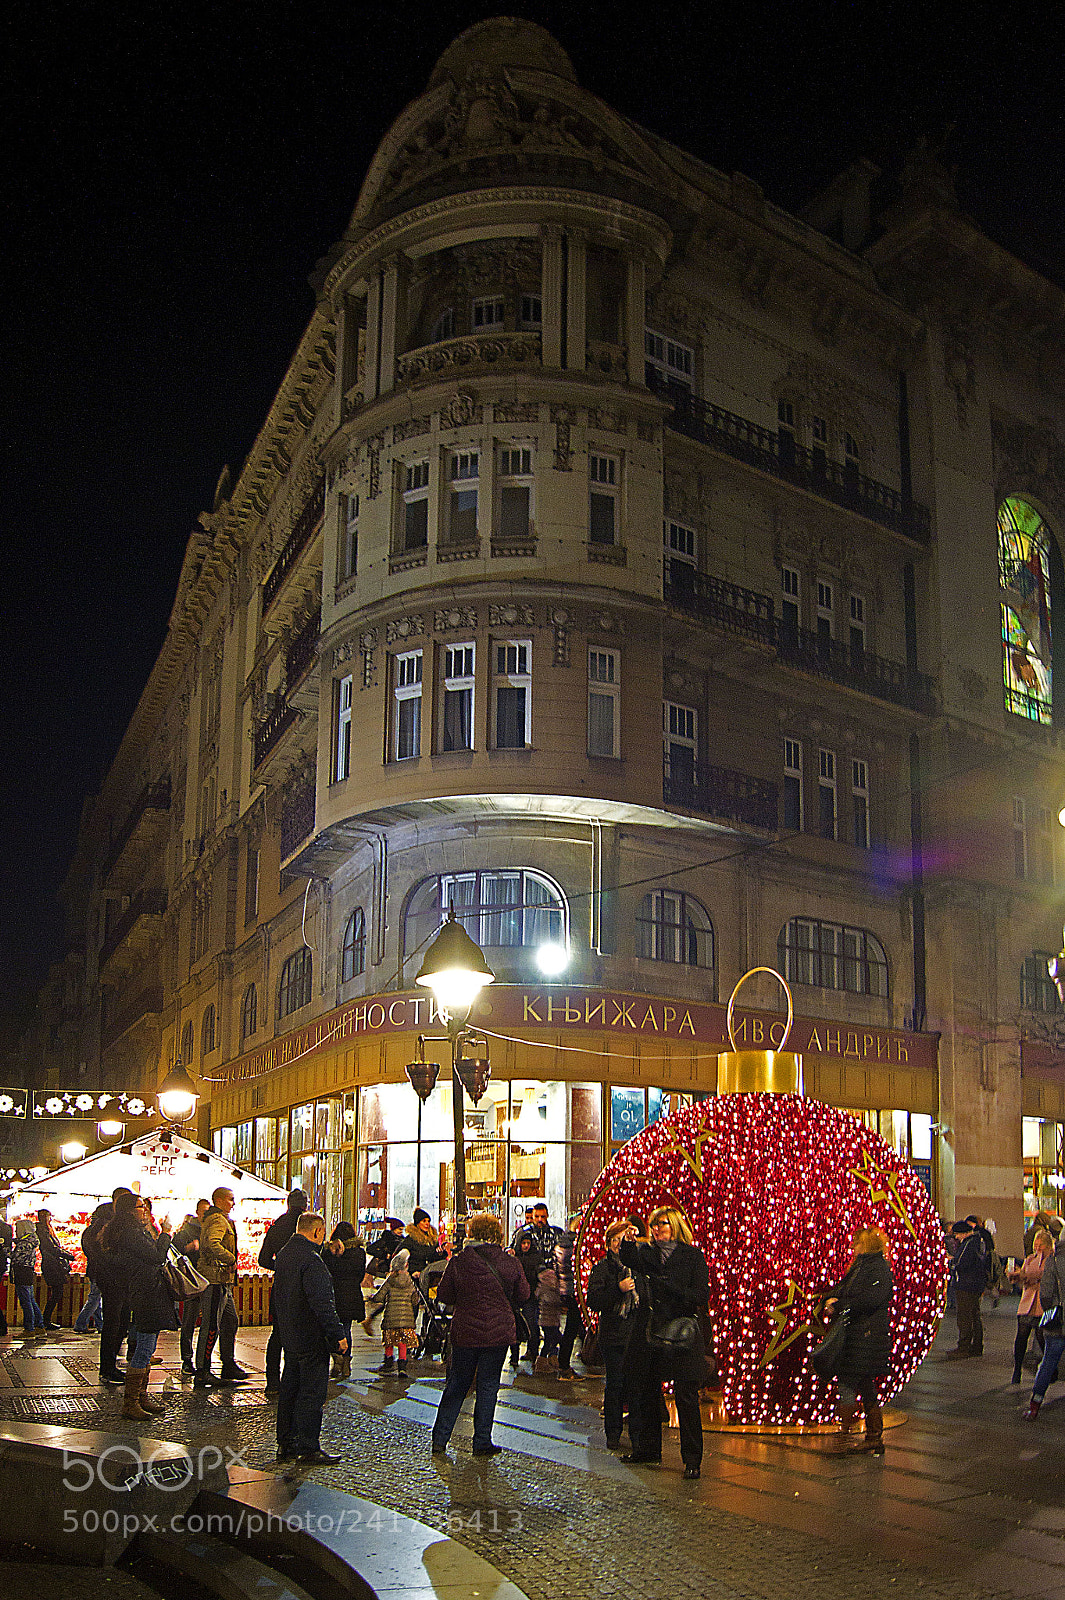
{"x": 151, "y": 804}
{"x": 301, "y": 656}
{"x": 134, "y": 925}
{"x": 475, "y": 352}
{"x": 304, "y": 529}
{"x": 778, "y": 454}
{"x": 855, "y": 669}
{"x": 720, "y": 792}
{"x": 297, "y": 819}
{"x": 149, "y": 1003}
{"x": 271, "y": 730}
{"x": 728, "y": 606}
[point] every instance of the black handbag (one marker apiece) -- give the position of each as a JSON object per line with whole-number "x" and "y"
{"x": 675, "y": 1337}
{"x": 826, "y": 1356}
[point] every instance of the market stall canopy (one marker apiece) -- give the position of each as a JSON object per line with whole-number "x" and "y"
{"x": 160, "y": 1166}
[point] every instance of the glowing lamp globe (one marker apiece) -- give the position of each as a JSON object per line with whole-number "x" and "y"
{"x": 454, "y": 969}
{"x": 552, "y": 959}
{"x": 177, "y": 1095}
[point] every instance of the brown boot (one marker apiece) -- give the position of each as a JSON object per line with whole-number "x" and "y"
{"x": 131, "y": 1406}
{"x": 149, "y": 1402}
{"x": 874, "y": 1430}
{"x": 845, "y": 1444}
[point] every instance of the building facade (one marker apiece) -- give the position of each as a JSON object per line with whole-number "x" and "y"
{"x": 651, "y": 576}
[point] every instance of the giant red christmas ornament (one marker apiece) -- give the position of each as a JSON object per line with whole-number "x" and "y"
{"x": 774, "y": 1186}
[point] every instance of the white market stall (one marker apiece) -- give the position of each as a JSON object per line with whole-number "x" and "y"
{"x": 173, "y": 1174}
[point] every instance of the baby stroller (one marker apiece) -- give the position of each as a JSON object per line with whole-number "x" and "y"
{"x": 434, "y": 1327}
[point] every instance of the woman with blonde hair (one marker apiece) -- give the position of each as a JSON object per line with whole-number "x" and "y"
{"x": 1029, "y": 1310}
{"x": 864, "y": 1294}
{"x": 678, "y": 1283}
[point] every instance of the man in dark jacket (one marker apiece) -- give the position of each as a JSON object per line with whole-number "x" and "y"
{"x": 484, "y": 1286}
{"x": 971, "y": 1272}
{"x": 305, "y": 1316}
{"x": 102, "y": 1272}
{"x": 276, "y": 1237}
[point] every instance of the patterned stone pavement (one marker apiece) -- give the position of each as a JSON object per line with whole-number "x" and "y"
{"x": 968, "y": 1501}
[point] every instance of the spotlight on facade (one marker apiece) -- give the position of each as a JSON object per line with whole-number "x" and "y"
{"x": 110, "y": 1130}
{"x": 454, "y": 970}
{"x": 552, "y": 959}
{"x": 177, "y": 1094}
{"x": 73, "y": 1150}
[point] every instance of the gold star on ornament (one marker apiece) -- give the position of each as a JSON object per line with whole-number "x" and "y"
{"x": 869, "y": 1173}
{"x": 779, "y": 1315}
{"x": 694, "y": 1158}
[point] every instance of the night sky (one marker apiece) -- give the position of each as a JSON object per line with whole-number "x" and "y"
{"x": 172, "y": 175}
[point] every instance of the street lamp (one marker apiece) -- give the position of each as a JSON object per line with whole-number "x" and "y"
{"x": 110, "y": 1130}
{"x": 73, "y": 1150}
{"x": 177, "y": 1095}
{"x": 455, "y": 971}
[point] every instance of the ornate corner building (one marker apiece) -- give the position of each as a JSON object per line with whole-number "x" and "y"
{"x": 653, "y": 576}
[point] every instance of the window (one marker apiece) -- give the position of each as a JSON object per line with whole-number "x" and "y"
{"x": 342, "y": 738}
{"x": 675, "y": 362}
{"x": 604, "y": 702}
{"x": 504, "y": 909}
{"x": 826, "y": 794}
{"x": 407, "y": 713}
{"x": 1024, "y": 578}
{"x": 462, "y": 499}
{"x": 444, "y": 326}
{"x": 201, "y": 923}
{"x": 487, "y": 312}
{"x": 457, "y": 731}
{"x": 1046, "y": 845}
{"x": 349, "y": 553}
{"x": 789, "y": 604}
{"x": 416, "y": 506}
{"x": 819, "y": 432}
{"x": 679, "y": 727}
{"x": 353, "y": 950}
{"x": 207, "y": 1032}
{"x": 786, "y": 432}
{"x": 824, "y": 612}
{"x": 188, "y": 1045}
{"x": 294, "y": 990}
{"x": 532, "y": 314}
{"x": 793, "y": 785}
{"x": 603, "y": 499}
{"x": 857, "y": 627}
{"x": 1020, "y": 838}
{"x": 673, "y": 926}
{"x": 860, "y": 803}
{"x": 850, "y": 452}
{"x": 679, "y": 542}
{"x": 251, "y": 883}
{"x": 827, "y": 955}
{"x": 515, "y": 493}
{"x": 513, "y": 694}
{"x": 1037, "y": 987}
{"x": 249, "y": 1007}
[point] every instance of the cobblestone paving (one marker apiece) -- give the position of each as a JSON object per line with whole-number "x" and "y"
{"x": 968, "y": 1503}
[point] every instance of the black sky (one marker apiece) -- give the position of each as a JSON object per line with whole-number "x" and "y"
{"x": 172, "y": 174}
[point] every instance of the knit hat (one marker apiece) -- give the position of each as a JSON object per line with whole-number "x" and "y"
{"x": 297, "y": 1200}
{"x": 420, "y": 1216}
{"x": 399, "y": 1260}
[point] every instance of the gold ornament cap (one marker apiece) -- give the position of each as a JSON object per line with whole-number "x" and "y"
{"x": 759, "y": 1071}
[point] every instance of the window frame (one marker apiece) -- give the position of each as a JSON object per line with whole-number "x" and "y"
{"x": 1021, "y": 862}
{"x": 608, "y": 690}
{"x": 606, "y": 490}
{"x": 249, "y": 1013}
{"x": 458, "y": 683}
{"x": 353, "y": 946}
{"x": 793, "y": 769}
{"x": 345, "y": 687}
{"x": 682, "y": 933}
{"x": 860, "y": 803}
{"x": 208, "y": 1041}
{"x": 522, "y": 481}
{"x": 504, "y": 679}
{"x": 443, "y": 327}
{"x": 403, "y": 693}
{"x": 463, "y": 481}
{"x": 827, "y": 785}
{"x": 415, "y": 493}
{"x": 295, "y": 985}
{"x": 349, "y": 562}
{"x": 795, "y": 958}
{"x": 479, "y": 323}
{"x": 531, "y": 312}
{"x": 673, "y": 739}
{"x": 671, "y": 357}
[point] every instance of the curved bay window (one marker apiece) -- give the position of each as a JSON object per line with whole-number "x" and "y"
{"x": 294, "y": 990}
{"x": 1037, "y": 989}
{"x": 353, "y": 950}
{"x": 1024, "y": 577}
{"x": 511, "y": 909}
{"x": 827, "y": 955}
{"x": 674, "y": 927}
{"x": 249, "y": 1013}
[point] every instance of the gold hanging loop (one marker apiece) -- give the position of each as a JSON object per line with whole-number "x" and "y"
{"x": 748, "y": 1071}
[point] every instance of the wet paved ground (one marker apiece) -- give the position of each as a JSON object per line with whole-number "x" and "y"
{"x": 967, "y": 1502}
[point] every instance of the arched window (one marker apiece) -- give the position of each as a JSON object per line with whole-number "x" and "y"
{"x": 499, "y": 910}
{"x": 673, "y": 926}
{"x": 249, "y": 1009}
{"x": 207, "y": 1032}
{"x": 187, "y": 1044}
{"x": 1037, "y": 989}
{"x": 353, "y": 950}
{"x": 827, "y": 955}
{"x": 294, "y": 989}
{"x": 1024, "y": 575}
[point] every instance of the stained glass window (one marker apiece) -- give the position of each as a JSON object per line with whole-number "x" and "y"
{"x": 1024, "y": 575}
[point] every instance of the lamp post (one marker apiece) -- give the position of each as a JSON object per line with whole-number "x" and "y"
{"x": 455, "y": 971}
{"x": 177, "y": 1095}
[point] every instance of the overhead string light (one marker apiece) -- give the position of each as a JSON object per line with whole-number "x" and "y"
{"x": 774, "y": 1186}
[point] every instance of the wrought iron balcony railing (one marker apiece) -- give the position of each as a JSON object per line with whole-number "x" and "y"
{"x": 297, "y": 819}
{"x": 778, "y": 453}
{"x": 855, "y": 668}
{"x": 303, "y": 651}
{"x": 302, "y": 532}
{"x": 727, "y": 605}
{"x": 720, "y": 792}
{"x": 272, "y": 728}
{"x": 153, "y": 797}
{"x": 149, "y": 903}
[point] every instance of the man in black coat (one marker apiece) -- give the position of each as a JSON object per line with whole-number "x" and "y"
{"x": 276, "y": 1237}
{"x": 305, "y": 1317}
{"x": 102, "y": 1271}
{"x": 971, "y": 1273}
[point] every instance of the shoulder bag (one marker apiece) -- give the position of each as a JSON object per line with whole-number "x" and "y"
{"x": 674, "y": 1337}
{"x": 826, "y": 1356}
{"x": 1051, "y": 1319}
{"x": 181, "y": 1277}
